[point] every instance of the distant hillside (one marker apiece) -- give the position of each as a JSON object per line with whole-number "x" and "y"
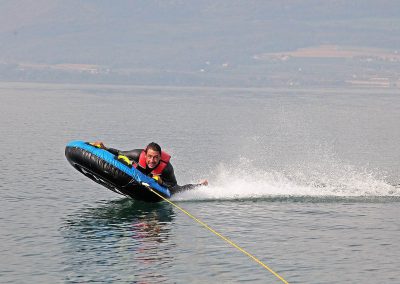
{"x": 177, "y": 41}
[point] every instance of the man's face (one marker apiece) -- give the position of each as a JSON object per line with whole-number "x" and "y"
{"x": 152, "y": 158}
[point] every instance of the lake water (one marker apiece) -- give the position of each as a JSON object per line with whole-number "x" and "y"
{"x": 305, "y": 180}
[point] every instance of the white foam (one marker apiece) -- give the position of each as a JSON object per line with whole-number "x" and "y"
{"x": 331, "y": 179}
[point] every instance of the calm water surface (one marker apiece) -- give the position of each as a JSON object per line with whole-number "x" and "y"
{"x": 306, "y": 180}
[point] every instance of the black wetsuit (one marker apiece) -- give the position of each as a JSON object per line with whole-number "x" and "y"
{"x": 167, "y": 176}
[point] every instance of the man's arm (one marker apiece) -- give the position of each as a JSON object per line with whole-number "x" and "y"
{"x": 180, "y": 188}
{"x": 169, "y": 180}
{"x": 131, "y": 154}
{"x": 168, "y": 177}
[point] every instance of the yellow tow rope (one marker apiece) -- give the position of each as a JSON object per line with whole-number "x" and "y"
{"x": 221, "y": 236}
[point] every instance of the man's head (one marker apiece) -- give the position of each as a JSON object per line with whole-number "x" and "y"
{"x": 153, "y": 155}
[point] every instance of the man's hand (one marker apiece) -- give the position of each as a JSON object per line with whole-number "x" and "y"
{"x": 157, "y": 179}
{"x": 98, "y": 144}
{"x": 203, "y": 182}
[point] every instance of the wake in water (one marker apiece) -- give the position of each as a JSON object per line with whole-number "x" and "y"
{"x": 336, "y": 181}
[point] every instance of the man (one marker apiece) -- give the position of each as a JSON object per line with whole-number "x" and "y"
{"x": 154, "y": 162}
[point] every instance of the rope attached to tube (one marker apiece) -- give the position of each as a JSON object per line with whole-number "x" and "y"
{"x": 221, "y": 236}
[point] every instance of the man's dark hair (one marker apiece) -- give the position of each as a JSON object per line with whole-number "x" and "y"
{"x": 153, "y": 146}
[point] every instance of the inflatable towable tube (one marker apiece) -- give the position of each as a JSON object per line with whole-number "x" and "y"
{"x": 112, "y": 172}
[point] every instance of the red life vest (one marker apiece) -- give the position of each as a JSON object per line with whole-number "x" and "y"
{"x": 165, "y": 157}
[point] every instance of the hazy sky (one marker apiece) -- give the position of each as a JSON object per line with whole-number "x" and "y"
{"x": 145, "y": 32}
{"x": 170, "y": 42}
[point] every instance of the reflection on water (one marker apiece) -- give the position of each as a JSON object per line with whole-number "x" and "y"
{"x": 132, "y": 234}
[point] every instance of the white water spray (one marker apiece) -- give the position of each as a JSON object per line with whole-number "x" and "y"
{"x": 331, "y": 180}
